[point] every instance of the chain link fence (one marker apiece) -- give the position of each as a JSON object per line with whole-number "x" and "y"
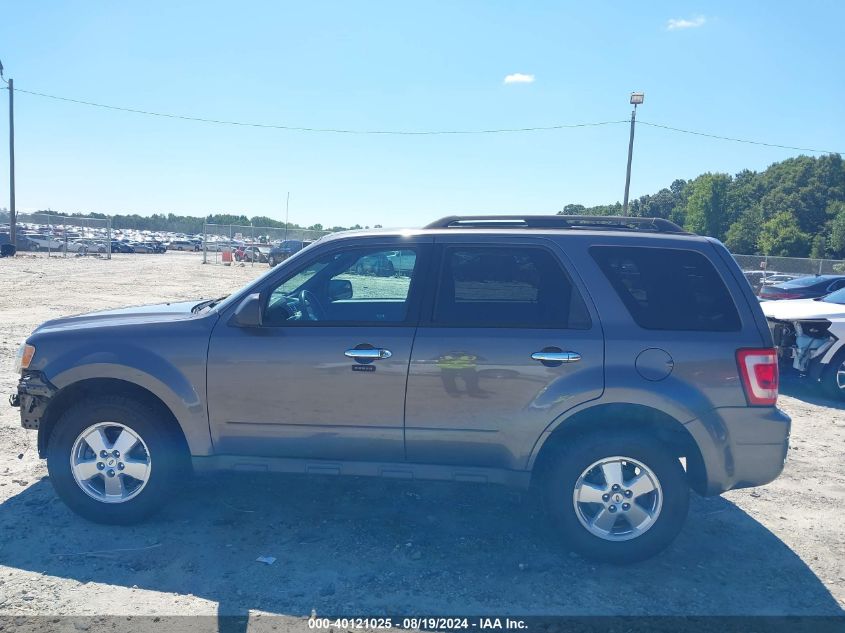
{"x": 223, "y": 243}
{"x": 761, "y": 270}
{"x": 59, "y": 235}
{"x": 790, "y": 265}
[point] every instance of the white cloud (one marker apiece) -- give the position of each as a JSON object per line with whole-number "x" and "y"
{"x": 681, "y": 23}
{"x": 519, "y": 78}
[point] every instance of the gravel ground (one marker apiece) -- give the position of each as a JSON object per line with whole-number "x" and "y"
{"x": 350, "y": 546}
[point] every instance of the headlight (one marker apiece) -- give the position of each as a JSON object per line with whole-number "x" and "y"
{"x": 25, "y": 355}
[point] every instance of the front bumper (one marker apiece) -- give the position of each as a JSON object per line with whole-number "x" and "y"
{"x": 741, "y": 446}
{"x": 34, "y": 393}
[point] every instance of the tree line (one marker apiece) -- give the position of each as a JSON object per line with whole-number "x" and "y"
{"x": 191, "y": 225}
{"x": 795, "y": 208}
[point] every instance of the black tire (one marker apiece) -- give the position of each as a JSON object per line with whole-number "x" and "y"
{"x": 573, "y": 458}
{"x": 830, "y": 386}
{"x": 167, "y": 454}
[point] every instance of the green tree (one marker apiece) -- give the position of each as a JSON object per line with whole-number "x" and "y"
{"x": 836, "y": 241}
{"x": 573, "y": 209}
{"x": 817, "y": 248}
{"x": 707, "y": 205}
{"x": 782, "y": 236}
{"x": 744, "y": 234}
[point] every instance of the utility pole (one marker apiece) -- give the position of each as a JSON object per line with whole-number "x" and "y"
{"x": 636, "y": 99}
{"x": 13, "y": 234}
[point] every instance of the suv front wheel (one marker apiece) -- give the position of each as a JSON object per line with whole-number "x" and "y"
{"x": 618, "y": 499}
{"x": 112, "y": 460}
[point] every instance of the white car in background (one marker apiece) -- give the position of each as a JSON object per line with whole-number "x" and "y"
{"x": 86, "y": 246}
{"x": 46, "y": 242}
{"x": 810, "y": 337}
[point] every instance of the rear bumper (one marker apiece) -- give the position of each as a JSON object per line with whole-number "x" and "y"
{"x": 741, "y": 447}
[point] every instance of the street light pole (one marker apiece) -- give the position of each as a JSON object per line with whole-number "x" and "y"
{"x": 636, "y": 99}
{"x": 13, "y": 234}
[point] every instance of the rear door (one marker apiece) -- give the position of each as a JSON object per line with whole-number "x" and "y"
{"x": 507, "y": 343}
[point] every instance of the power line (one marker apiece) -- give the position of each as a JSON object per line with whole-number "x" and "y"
{"x": 543, "y": 128}
{"x": 317, "y": 129}
{"x": 739, "y": 140}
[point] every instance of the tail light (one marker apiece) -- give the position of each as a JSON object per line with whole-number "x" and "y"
{"x": 758, "y": 369}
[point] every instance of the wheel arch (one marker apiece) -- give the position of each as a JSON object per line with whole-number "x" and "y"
{"x": 610, "y": 417}
{"x": 89, "y": 387}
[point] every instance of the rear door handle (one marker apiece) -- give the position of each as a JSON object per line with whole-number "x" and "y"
{"x": 374, "y": 353}
{"x": 556, "y": 357}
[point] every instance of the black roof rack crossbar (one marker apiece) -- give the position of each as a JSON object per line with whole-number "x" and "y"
{"x": 607, "y": 222}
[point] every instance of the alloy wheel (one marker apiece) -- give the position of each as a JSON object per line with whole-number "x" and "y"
{"x": 617, "y": 498}
{"x": 110, "y": 462}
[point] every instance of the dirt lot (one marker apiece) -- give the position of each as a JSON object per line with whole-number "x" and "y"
{"x": 369, "y": 547}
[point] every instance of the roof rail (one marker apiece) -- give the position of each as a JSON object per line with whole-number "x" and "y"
{"x": 607, "y": 222}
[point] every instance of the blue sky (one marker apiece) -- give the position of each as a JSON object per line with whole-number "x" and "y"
{"x": 768, "y": 71}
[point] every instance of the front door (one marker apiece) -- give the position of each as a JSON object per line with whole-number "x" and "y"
{"x": 324, "y": 375}
{"x": 510, "y": 344}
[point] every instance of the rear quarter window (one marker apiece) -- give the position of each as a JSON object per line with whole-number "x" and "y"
{"x": 668, "y": 288}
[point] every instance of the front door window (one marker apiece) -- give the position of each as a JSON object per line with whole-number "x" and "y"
{"x": 350, "y": 287}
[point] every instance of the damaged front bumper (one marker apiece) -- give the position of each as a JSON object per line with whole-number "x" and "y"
{"x": 803, "y": 344}
{"x": 34, "y": 393}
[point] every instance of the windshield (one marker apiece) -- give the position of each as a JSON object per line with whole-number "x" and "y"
{"x": 835, "y": 297}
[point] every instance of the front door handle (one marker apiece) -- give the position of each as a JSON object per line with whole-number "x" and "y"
{"x": 373, "y": 353}
{"x": 556, "y": 357}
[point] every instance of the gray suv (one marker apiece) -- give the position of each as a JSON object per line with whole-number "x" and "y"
{"x": 609, "y": 363}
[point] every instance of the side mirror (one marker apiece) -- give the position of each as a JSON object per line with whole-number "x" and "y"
{"x": 340, "y": 289}
{"x": 248, "y": 313}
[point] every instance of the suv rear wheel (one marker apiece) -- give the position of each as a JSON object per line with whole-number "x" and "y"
{"x": 619, "y": 499}
{"x": 112, "y": 459}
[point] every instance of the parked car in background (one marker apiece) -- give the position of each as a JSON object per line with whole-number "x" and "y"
{"x": 807, "y": 287}
{"x": 285, "y": 249}
{"x": 254, "y": 254}
{"x": 142, "y": 247}
{"x": 779, "y": 278}
{"x": 23, "y": 243}
{"x": 181, "y": 245}
{"x": 121, "y": 247}
{"x": 82, "y": 246}
{"x": 216, "y": 246}
{"x": 610, "y": 363}
{"x": 379, "y": 265}
{"x": 760, "y": 278}
{"x": 46, "y": 242}
{"x": 810, "y": 337}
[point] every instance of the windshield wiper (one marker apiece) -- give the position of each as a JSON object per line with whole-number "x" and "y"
{"x": 210, "y": 303}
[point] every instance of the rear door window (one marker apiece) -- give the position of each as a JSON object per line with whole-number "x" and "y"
{"x": 506, "y": 287}
{"x": 669, "y": 289}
